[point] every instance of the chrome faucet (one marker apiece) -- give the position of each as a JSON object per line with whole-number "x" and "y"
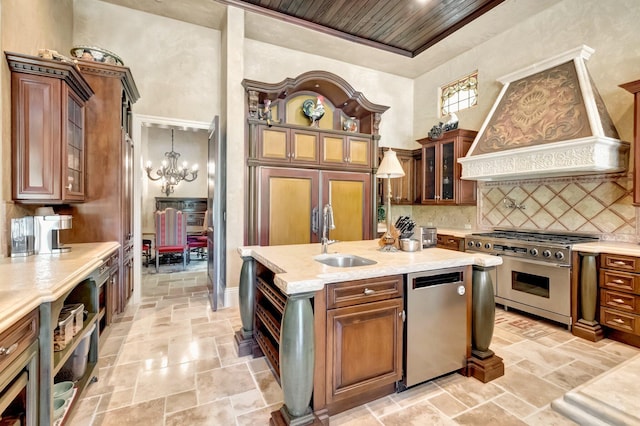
{"x": 327, "y": 224}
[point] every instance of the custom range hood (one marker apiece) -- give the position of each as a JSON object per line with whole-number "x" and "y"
{"x": 549, "y": 120}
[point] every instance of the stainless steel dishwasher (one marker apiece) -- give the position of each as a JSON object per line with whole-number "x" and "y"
{"x": 436, "y": 328}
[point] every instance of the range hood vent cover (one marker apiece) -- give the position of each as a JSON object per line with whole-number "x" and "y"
{"x": 549, "y": 120}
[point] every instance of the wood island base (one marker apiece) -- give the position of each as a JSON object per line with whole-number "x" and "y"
{"x": 278, "y": 419}
{"x": 589, "y": 332}
{"x": 485, "y": 370}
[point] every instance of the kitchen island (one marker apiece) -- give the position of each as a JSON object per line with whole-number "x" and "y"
{"x": 313, "y": 313}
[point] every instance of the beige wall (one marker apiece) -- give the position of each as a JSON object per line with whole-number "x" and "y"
{"x": 272, "y": 64}
{"x": 610, "y": 27}
{"x": 25, "y": 27}
{"x": 176, "y": 65}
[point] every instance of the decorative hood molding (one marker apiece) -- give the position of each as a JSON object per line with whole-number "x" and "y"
{"x": 549, "y": 120}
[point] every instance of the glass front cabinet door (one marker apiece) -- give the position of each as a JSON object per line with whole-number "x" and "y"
{"x": 441, "y": 171}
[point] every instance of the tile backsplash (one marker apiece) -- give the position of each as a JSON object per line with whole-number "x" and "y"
{"x": 599, "y": 205}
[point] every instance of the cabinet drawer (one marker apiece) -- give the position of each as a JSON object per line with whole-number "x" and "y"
{"x": 626, "y": 322}
{"x": 17, "y": 338}
{"x": 619, "y": 262}
{"x": 621, "y": 301}
{"x": 620, "y": 281}
{"x": 448, "y": 242}
{"x": 363, "y": 291}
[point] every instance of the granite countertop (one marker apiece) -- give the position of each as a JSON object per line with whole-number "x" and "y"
{"x": 612, "y": 247}
{"x": 30, "y": 281}
{"x": 298, "y": 272}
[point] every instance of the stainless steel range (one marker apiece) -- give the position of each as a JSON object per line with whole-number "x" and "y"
{"x": 535, "y": 275}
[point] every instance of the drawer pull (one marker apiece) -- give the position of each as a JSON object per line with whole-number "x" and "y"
{"x": 617, "y": 282}
{"x": 619, "y": 262}
{"x": 618, "y": 320}
{"x": 368, "y": 291}
{"x": 617, "y": 300}
{"x": 9, "y": 350}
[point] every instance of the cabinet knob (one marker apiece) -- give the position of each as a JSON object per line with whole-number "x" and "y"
{"x": 617, "y": 281}
{"x": 368, "y": 291}
{"x": 68, "y": 187}
{"x": 9, "y": 350}
{"x": 619, "y": 262}
{"x": 618, "y": 320}
{"x": 617, "y": 301}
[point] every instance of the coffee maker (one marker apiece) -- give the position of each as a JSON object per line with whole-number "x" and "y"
{"x": 47, "y": 235}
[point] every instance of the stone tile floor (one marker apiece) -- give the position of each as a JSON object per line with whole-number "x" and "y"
{"x": 170, "y": 360}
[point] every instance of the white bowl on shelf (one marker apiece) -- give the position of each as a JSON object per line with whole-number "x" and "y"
{"x": 63, "y": 390}
{"x": 58, "y": 408}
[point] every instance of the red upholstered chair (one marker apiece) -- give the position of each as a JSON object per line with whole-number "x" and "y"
{"x": 171, "y": 234}
{"x": 199, "y": 242}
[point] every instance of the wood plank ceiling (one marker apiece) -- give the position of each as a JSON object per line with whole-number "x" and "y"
{"x": 405, "y": 27}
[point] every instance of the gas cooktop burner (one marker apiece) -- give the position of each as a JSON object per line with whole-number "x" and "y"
{"x": 534, "y": 245}
{"x": 536, "y": 237}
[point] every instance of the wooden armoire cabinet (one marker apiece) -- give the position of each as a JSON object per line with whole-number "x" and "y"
{"x": 107, "y": 213}
{"x": 296, "y": 167}
{"x": 441, "y": 182}
{"x": 48, "y": 99}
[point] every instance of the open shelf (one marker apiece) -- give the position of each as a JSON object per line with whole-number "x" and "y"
{"x": 60, "y": 357}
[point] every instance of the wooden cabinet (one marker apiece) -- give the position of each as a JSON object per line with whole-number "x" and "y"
{"x": 287, "y": 145}
{"x": 279, "y": 134}
{"x": 634, "y": 87}
{"x": 441, "y": 182}
{"x": 292, "y": 201}
{"x": 364, "y": 340}
{"x": 404, "y": 190}
{"x": 107, "y": 213}
{"x": 48, "y": 130}
{"x": 449, "y": 242}
{"x": 341, "y": 150}
{"x": 619, "y": 283}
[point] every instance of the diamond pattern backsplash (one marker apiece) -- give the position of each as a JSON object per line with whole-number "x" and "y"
{"x": 595, "y": 205}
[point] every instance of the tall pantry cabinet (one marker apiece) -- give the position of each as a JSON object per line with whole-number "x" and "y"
{"x": 296, "y": 165}
{"x": 107, "y": 213}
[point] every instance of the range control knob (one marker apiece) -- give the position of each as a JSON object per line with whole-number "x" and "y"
{"x": 533, "y": 252}
{"x": 487, "y": 246}
{"x": 546, "y": 253}
{"x": 559, "y": 255}
{"x": 470, "y": 243}
{"x": 478, "y": 244}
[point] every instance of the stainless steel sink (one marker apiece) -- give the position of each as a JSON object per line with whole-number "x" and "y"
{"x": 343, "y": 260}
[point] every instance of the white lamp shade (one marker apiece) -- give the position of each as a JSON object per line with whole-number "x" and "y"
{"x": 390, "y": 167}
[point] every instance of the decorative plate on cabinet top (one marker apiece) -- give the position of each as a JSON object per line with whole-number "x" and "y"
{"x": 97, "y": 54}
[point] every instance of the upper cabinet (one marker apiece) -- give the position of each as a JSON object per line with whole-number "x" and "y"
{"x": 441, "y": 183}
{"x": 48, "y": 130}
{"x": 634, "y": 87}
{"x": 277, "y": 144}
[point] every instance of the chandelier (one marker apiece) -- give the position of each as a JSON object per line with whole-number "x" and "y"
{"x": 170, "y": 173}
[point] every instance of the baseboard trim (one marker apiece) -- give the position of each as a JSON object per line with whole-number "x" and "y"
{"x": 231, "y": 297}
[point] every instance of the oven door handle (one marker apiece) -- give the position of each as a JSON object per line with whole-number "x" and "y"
{"x": 536, "y": 262}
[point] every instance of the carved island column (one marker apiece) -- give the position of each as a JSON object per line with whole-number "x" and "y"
{"x": 297, "y": 356}
{"x": 247, "y": 294}
{"x": 484, "y": 364}
{"x": 585, "y": 288}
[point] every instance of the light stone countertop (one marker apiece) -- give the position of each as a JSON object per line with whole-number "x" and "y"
{"x": 27, "y": 282}
{"x": 298, "y": 272}
{"x": 611, "y": 247}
